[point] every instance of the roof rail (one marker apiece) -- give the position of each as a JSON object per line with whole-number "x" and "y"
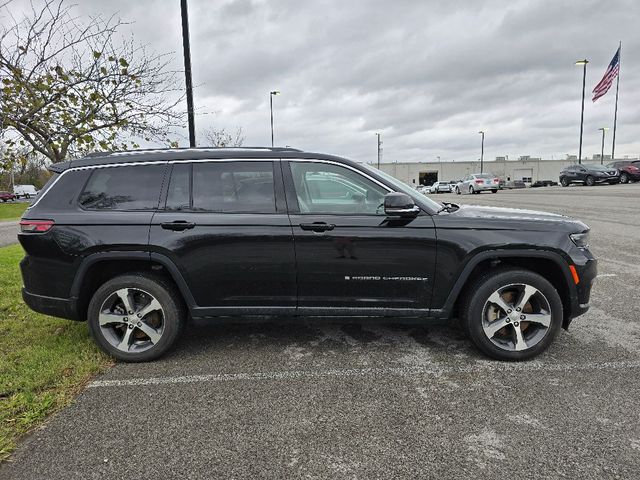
{"x": 143, "y": 150}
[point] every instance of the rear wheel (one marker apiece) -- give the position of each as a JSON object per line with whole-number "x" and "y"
{"x": 471, "y": 190}
{"x": 589, "y": 181}
{"x": 494, "y": 191}
{"x": 512, "y": 314}
{"x": 135, "y": 317}
{"x": 564, "y": 182}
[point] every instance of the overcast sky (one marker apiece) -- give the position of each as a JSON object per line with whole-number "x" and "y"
{"x": 428, "y": 75}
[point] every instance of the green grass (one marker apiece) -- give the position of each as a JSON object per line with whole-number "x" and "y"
{"x": 44, "y": 362}
{"x": 12, "y": 210}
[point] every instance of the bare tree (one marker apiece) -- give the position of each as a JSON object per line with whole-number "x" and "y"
{"x": 222, "y": 138}
{"x": 70, "y": 86}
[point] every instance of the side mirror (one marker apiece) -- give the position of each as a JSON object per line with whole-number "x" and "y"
{"x": 398, "y": 204}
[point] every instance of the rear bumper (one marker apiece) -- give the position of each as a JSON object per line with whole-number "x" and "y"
{"x": 56, "y": 307}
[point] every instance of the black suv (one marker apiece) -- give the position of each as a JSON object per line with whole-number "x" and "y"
{"x": 136, "y": 242}
{"x": 588, "y": 175}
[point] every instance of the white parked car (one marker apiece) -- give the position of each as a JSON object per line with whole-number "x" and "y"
{"x": 440, "y": 187}
{"x": 25, "y": 191}
{"x": 478, "y": 182}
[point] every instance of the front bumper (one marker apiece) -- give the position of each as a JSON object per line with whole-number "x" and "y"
{"x": 56, "y": 307}
{"x": 587, "y": 269}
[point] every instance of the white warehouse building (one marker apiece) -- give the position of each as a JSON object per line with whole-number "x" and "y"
{"x": 527, "y": 169}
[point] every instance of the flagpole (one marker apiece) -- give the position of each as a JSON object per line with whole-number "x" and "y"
{"x": 615, "y": 115}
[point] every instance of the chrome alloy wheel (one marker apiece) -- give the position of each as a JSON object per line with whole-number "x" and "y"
{"x": 516, "y": 317}
{"x": 131, "y": 320}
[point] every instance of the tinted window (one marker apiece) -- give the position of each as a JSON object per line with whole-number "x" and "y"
{"x": 330, "y": 189}
{"x": 178, "y": 196}
{"x": 135, "y": 187}
{"x": 233, "y": 187}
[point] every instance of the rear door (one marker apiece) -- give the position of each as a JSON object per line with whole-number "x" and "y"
{"x": 352, "y": 258}
{"x": 224, "y": 225}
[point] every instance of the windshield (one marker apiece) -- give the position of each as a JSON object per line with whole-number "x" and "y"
{"x": 399, "y": 186}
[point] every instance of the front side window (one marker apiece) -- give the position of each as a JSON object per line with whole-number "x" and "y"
{"x": 133, "y": 187}
{"x": 324, "y": 188}
{"x": 222, "y": 187}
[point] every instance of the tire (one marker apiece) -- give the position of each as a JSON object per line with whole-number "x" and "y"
{"x": 624, "y": 178}
{"x": 504, "y": 343}
{"x": 494, "y": 191}
{"x": 589, "y": 181}
{"x": 471, "y": 190}
{"x": 457, "y": 190}
{"x": 168, "y": 319}
{"x": 564, "y": 182}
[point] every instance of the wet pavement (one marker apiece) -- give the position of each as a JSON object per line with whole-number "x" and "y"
{"x": 362, "y": 399}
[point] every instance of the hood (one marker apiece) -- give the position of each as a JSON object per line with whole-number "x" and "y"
{"x": 516, "y": 218}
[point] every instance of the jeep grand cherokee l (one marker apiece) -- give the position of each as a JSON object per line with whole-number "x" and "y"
{"x": 135, "y": 242}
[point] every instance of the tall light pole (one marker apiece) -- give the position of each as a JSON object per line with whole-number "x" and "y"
{"x": 379, "y": 143}
{"x": 271, "y": 95}
{"x": 602, "y": 129}
{"x": 186, "y": 47}
{"x": 584, "y": 80}
{"x": 481, "y": 132}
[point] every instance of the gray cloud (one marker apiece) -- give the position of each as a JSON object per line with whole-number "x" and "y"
{"x": 426, "y": 74}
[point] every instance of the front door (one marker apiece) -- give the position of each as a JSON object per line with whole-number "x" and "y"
{"x": 351, "y": 258}
{"x": 224, "y": 225}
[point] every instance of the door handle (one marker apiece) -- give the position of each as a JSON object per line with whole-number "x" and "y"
{"x": 178, "y": 225}
{"x": 317, "y": 226}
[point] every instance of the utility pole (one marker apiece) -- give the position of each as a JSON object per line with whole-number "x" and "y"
{"x": 602, "y": 129}
{"x": 584, "y": 80}
{"x": 379, "y": 144}
{"x": 186, "y": 47}
{"x": 482, "y": 152}
{"x": 271, "y": 95}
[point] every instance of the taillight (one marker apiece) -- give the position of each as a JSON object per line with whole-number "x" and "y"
{"x": 496, "y": 180}
{"x": 35, "y": 226}
{"x": 479, "y": 182}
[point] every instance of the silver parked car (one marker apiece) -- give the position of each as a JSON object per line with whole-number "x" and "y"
{"x": 440, "y": 187}
{"x": 478, "y": 182}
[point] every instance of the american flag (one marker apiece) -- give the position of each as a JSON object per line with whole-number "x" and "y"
{"x": 612, "y": 71}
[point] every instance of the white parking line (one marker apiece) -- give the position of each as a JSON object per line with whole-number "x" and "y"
{"x": 435, "y": 370}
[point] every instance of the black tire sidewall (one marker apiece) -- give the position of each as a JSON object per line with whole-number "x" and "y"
{"x": 484, "y": 287}
{"x": 564, "y": 182}
{"x": 589, "y": 181}
{"x": 162, "y": 291}
{"x": 624, "y": 178}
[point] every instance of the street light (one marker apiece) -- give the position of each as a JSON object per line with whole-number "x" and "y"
{"x": 584, "y": 80}
{"x": 271, "y": 95}
{"x": 603, "y": 129}
{"x": 482, "y": 152}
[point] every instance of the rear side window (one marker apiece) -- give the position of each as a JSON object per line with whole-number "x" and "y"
{"x": 135, "y": 187}
{"x": 223, "y": 187}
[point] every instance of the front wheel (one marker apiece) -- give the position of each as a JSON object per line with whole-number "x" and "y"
{"x": 512, "y": 314}
{"x": 457, "y": 190}
{"x": 471, "y": 190}
{"x": 590, "y": 181}
{"x": 135, "y": 317}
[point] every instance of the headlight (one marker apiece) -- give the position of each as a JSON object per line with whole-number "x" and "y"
{"x": 581, "y": 240}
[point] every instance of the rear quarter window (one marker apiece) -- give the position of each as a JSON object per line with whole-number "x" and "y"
{"x": 132, "y": 187}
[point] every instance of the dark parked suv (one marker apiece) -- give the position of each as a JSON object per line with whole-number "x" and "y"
{"x": 588, "y": 175}
{"x": 629, "y": 170}
{"x": 136, "y": 242}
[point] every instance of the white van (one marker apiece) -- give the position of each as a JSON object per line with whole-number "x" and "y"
{"x": 26, "y": 191}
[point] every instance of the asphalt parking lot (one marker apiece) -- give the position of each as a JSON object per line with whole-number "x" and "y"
{"x": 346, "y": 399}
